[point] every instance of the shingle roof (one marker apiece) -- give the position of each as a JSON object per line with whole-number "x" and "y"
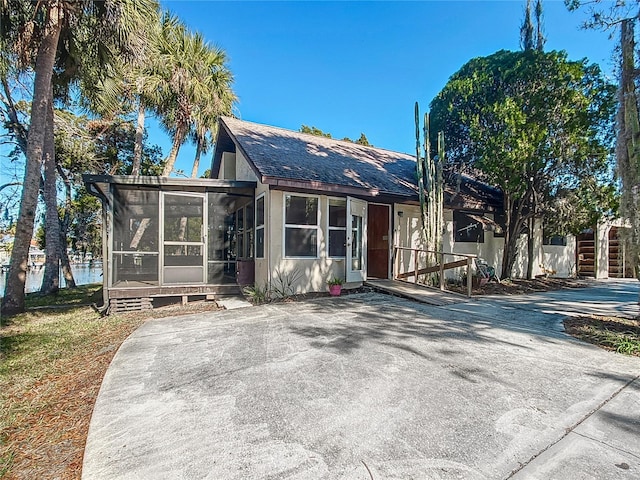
{"x": 320, "y": 162}
{"x": 284, "y": 154}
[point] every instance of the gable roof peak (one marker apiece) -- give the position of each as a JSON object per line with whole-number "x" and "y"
{"x": 287, "y": 155}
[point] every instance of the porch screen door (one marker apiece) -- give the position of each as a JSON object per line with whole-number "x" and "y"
{"x": 184, "y": 238}
{"x": 356, "y": 257}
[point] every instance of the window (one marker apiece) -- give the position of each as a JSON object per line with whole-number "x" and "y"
{"x": 337, "y": 228}
{"x": 248, "y": 230}
{"x": 244, "y": 228}
{"x": 260, "y": 227}
{"x": 300, "y": 226}
{"x": 556, "y": 240}
{"x": 467, "y": 229}
{"x": 501, "y": 219}
{"x": 136, "y": 236}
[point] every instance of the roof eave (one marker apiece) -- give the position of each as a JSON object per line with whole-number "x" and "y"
{"x": 329, "y": 189}
{"x": 165, "y": 181}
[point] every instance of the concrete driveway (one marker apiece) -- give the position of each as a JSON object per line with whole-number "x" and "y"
{"x": 371, "y": 386}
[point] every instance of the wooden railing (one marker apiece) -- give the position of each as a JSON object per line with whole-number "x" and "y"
{"x": 439, "y": 267}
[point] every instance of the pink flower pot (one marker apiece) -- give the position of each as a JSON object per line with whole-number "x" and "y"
{"x": 335, "y": 290}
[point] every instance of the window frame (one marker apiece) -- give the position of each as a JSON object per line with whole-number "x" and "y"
{"x": 330, "y": 228}
{"x": 257, "y": 227}
{"x": 480, "y": 239}
{"x": 244, "y": 233}
{"x": 249, "y": 239}
{"x": 286, "y": 225}
{"x": 547, "y": 240}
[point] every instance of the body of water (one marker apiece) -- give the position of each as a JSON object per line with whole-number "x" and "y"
{"x": 83, "y": 273}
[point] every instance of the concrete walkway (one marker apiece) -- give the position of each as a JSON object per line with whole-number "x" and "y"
{"x": 371, "y": 386}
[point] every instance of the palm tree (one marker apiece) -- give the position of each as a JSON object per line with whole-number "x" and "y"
{"x": 193, "y": 85}
{"x": 205, "y": 120}
{"x": 31, "y": 32}
{"x": 45, "y": 48}
{"x": 200, "y": 136}
{"x": 129, "y": 88}
{"x": 53, "y": 239}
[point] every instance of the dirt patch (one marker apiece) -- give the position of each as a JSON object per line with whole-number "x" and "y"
{"x": 175, "y": 308}
{"x": 520, "y": 286}
{"x": 617, "y": 334}
{"x": 300, "y": 297}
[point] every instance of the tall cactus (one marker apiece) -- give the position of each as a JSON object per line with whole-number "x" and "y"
{"x": 430, "y": 187}
{"x": 419, "y": 166}
{"x": 439, "y": 192}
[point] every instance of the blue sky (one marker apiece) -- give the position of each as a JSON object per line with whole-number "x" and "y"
{"x": 352, "y": 67}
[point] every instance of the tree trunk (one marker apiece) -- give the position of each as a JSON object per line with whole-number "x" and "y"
{"x": 510, "y": 253}
{"x": 628, "y": 141}
{"x": 514, "y": 222}
{"x": 507, "y": 262}
{"x": 530, "y": 248}
{"x": 171, "y": 159}
{"x": 13, "y": 300}
{"x": 67, "y": 273}
{"x": 137, "y": 148}
{"x": 196, "y": 161}
{"x": 51, "y": 278}
{"x": 69, "y": 281}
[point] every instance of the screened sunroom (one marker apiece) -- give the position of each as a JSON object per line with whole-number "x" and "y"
{"x": 168, "y": 237}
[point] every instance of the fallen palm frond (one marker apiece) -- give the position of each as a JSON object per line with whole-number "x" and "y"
{"x": 52, "y": 361}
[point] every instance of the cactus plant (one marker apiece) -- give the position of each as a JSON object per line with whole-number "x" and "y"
{"x": 430, "y": 187}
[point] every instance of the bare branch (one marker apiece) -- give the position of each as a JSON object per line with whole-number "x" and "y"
{"x": 12, "y": 184}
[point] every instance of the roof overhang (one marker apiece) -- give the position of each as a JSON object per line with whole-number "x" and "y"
{"x": 98, "y": 185}
{"x": 153, "y": 181}
{"x": 315, "y": 187}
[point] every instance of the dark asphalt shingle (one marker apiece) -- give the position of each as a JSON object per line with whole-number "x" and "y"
{"x": 285, "y": 154}
{"x": 278, "y": 153}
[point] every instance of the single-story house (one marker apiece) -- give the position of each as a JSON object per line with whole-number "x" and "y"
{"x": 287, "y": 211}
{"x": 37, "y": 257}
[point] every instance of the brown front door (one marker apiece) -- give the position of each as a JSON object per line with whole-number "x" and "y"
{"x": 378, "y": 241}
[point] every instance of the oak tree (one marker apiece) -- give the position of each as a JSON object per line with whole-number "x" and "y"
{"x": 530, "y": 123}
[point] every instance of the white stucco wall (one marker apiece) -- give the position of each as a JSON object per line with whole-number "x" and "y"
{"x": 602, "y": 249}
{"x": 243, "y": 171}
{"x": 558, "y": 258}
{"x": 546, "y": 258}
{"x": 561, "y": 259}
{"x": 311, "y": 274}
{"x": 407, "y": 232}
{"x": 489, "y": 250}
{"x": 406, "y": 219}
{"x": 235, "y": 167}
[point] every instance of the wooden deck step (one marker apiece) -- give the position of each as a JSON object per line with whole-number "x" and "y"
{"x": 417, "y": 292}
